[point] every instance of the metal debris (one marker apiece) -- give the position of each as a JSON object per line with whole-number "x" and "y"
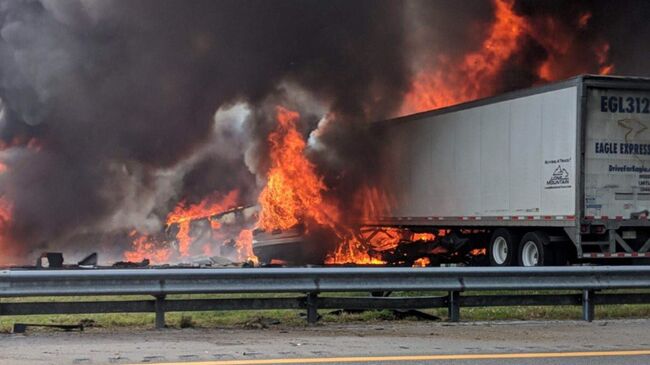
{"x": 89, "y": 261}
{"x": 52, "y": 260}
{"x": 129, "y": 264}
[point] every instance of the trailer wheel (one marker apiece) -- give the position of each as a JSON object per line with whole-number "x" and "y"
{"x": 503, "y": 248}
{"x": 535, "y": 250}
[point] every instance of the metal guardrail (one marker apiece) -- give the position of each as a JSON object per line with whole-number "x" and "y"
{"x": 584, "y": 282}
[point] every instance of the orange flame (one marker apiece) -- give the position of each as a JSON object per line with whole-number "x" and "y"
{"x": 183, "y": 214}
{"x": 144, "y": 247}
{"x": 451, "y": 83}
{"x": 583, "y": 20}
{"x": 244, "y": 246}
{"x": 372, "y": 203}
{"x": 602, "y": 55}
{"x": 422, "y": 262}
{"x": 384, "y": 238}
{"x": 478, "y": 252}
{"x": 475, "y": 75}
{"x": 294, "y": 193}
{"x": 352, "y": 251}
{"x": 293, "y": 190}
{"x": 423, "y": 237}
{"x": 7, "y": 248}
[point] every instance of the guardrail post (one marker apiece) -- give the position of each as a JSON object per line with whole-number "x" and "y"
{"x": 588, "y": 306}
{"x": 312, "y": 308}
{"x": 453, "y": 304}
{"x": 160, "y": 311}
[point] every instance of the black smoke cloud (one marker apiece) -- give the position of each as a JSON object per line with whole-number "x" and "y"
{"x": 121, "y": 95}
{"x": 618, "y": 27}
{"x": 118, "y": 91}
{"x": 553, "y": 33}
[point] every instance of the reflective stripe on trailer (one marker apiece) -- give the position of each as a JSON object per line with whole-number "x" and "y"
{"x": 478, "y": 218}
{"x": 618, "y": 218}
{"x": 606, "y": 218}
{"x": 602, "y": 255}
{"x": 597, "y": 217}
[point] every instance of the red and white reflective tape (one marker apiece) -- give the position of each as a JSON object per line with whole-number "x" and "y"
{"x": 597, "y": 217}
{"x": 618, "y": 218}
{"x": 478, "y": 218}
{"x": 566, "y": 217}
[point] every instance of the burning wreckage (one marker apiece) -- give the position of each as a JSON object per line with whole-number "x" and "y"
{"x": 294, "y": 223}
{"x": 203, "y": 235}
{"x": 301, "y": 175}
{"x": 456, "y": 184}
{"x": 426, "y": 214}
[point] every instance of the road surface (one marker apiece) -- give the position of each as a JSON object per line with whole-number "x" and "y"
{"x": 394, "y": 342}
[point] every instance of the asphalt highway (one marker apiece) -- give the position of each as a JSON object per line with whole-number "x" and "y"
{"x": 563, "y": 358}
{"x": 391, "y": 342}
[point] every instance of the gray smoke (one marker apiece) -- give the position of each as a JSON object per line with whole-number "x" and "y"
{"x": 119, "y": 93}
{"x": 110, "y": 105}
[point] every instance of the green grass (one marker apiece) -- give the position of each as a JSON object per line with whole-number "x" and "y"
{"x": 294, "y": 318}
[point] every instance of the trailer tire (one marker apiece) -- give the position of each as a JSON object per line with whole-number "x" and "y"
{"x": 535, "y": 250}
{"x": 503, "y": 248}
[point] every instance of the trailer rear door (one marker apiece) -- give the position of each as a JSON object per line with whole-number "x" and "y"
{"x": 617, "y": 153}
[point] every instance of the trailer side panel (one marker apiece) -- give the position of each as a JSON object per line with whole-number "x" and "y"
{"x": 507, "y": 159}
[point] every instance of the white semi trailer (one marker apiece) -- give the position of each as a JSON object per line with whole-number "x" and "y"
{"x": 551, "y": 174}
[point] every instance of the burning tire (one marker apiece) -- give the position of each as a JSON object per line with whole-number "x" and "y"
{"x": 503, "y": 248}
